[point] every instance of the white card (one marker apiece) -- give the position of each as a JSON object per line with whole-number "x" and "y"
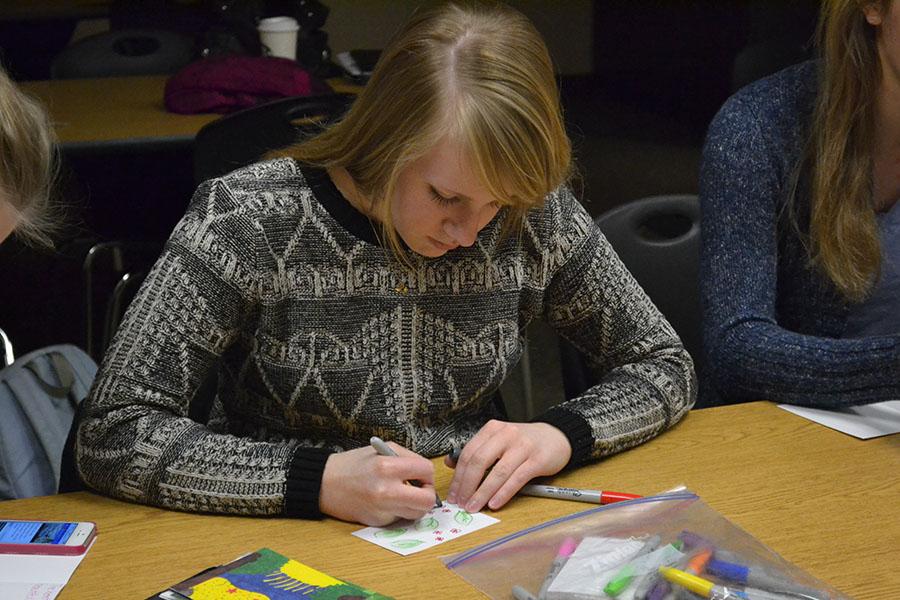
{"x": 36, "y": 576}
{"x": 865, "y": 421}
{"x": 591, "y": 566}
{"x": 439, "y": 525}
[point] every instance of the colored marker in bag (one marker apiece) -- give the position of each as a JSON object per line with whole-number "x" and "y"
{"x": 658, "y": 591}
{"x": 520, "y": 593}
{"x": 623, "y": 577}
{"x": 695, "y": 565}
{"x": 385, "y": 450}
{"x": 563, "y": 493}
{"x": 645, "y": 583}
{"x": 757, "y": 577}
{"x": 693, "y": 541}
{"x": 562, "y": 555}
{"x": 708, "y": 589}
{"x": 663, "y": 589}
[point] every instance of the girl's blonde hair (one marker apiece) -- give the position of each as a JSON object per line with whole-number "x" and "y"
{"x": 28, "y": 164}
{"x": 843, "y": 231}
{"x": 478, "y": 73}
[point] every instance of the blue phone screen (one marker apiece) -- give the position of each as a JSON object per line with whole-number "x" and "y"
{"x": 35, "y": 532}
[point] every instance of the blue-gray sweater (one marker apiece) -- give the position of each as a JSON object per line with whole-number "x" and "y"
{"x": 772, "y": 324}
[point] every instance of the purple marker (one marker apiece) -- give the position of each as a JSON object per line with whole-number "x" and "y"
{"x": 660, "y": 590}
{"x": 562, "y": 555}
{"x": 693, "y": 541}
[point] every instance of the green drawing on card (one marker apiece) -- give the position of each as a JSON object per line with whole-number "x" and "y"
{"x": 404, "y": 544}
{"x": 390, "y": 533}
{"x": 427, "y": 524}
{"x": 462, "y": 517}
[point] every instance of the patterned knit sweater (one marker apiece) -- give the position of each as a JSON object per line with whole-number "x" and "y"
{"x": 773, "y": 325}
{"x": 323, "y": 341}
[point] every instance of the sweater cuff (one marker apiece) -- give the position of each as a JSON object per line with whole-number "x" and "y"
{"x": 304, "y": 481}
{"x": 575, "y": 428}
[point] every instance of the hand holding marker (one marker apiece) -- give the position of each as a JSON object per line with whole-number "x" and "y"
{"x": 384, "y": 450}
{"x": 563, "y": 493}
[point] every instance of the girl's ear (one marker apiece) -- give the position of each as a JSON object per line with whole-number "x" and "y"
{"x": 874, "y": 12}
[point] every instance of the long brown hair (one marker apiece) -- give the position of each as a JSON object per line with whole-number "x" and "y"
{"x": 843, "y": 230}
{"x": 28, "y": 164}
{"x": 479, "y": 73}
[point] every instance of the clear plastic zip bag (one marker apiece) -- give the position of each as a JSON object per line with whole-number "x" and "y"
{"x": 669, "y": 546}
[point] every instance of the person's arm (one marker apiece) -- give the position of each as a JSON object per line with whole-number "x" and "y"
{"x": 646, "y": 381}
{"x": 135, "y": 440}
{"x": 647, "y": 378}
{"x": 749, "y": 355}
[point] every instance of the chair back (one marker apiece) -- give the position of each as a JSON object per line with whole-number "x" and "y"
{"x": 658, "y": 240}
{"x": 124, "y": 52}
{"x": 122, "y": 295}
{"x": 243, "y": 137}
{"x": 106, "y": 297}
{"x": 6, "y": 350}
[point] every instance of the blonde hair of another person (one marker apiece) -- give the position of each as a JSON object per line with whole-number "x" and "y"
{"x": 28, "y": 165}
{"x": 477, "y": 74}
{"x": 843, "y": 232}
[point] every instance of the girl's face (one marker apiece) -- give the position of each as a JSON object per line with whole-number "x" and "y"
{"x": 439, "y": 202}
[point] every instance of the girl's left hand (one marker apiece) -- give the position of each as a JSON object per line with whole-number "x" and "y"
{"x": 515, "y": 453}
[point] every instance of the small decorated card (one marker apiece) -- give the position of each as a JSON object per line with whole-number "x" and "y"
{"x": 264, "y": 575}
{"x": 439, "y": 525}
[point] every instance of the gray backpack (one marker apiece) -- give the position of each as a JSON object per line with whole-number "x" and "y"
{"x": 39, "y": 394}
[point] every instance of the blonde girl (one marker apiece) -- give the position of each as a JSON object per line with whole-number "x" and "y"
{"x": 375, "y": 281}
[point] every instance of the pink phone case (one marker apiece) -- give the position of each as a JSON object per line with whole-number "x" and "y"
{"x": 51, "y": 549}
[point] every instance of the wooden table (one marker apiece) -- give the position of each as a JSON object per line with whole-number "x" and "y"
{"x": 825, "y": 501}
{"x": 121, "y": 111}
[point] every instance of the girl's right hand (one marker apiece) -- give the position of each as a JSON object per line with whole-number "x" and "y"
{"x": 364, "y": 487}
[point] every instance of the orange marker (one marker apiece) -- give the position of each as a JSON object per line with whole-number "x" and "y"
{"x": 697, "y": 563}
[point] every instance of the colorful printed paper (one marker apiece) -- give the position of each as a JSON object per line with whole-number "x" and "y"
{"x": 439, "y": 525}
{"x": 267, "y": 575}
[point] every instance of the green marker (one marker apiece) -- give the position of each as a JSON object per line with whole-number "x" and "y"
{"x": 622, "y": 579}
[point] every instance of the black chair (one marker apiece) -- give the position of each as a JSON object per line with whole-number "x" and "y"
{"x": 122, "y": 295}
{"x": 243, "y": 137}
{"x": 124, "y": 52}
{"x": 7, "y": 357}
{"x": 103, "y": 271}
{"x": 658, "y": 239}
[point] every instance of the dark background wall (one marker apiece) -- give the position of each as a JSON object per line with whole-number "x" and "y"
{"x": 659, "y": 69}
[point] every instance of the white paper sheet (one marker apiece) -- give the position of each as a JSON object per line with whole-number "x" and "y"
{"x": 36, "y": 577}
{"x": 864, "y": 422}
{"x": 439, "y": 525}
{"x": 595, "y": 561}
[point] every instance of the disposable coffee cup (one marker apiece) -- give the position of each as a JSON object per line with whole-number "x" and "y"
{"x": 279, "y": 36}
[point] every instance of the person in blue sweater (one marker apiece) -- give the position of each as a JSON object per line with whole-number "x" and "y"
{"x": 800, "y": 259}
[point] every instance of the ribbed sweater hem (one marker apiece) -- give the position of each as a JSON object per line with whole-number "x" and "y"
{"x": 304, "y": 482}
{"x": 575, "y": 428}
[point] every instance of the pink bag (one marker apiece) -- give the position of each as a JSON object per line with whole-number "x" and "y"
{"x": 229, "y": 83}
